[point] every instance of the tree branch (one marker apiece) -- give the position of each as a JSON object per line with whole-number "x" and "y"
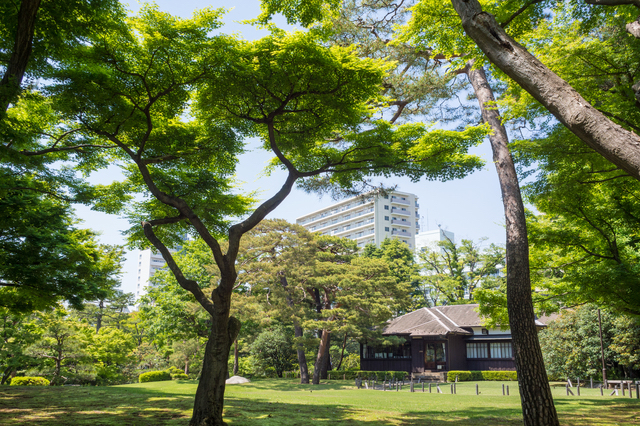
{"x": 188, "y": 285}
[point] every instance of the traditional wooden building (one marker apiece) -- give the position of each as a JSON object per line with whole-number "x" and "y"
{"x": 439, "y": 339}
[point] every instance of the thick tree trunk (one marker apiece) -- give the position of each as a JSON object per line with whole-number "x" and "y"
{"x": 14, "y": 73}
{"x": 535, "y": 392}
{"x": 612, "y": 141}
{"x": 302, "y": 358}
{"x": 322, "y": 359}
{"x": 209, "y": 400}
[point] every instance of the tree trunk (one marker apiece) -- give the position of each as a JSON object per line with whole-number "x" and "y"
{"x": 344, "y": 345}
{"x": 535, "y": 392}
{"x": 236, "y": 365}
{"x": 612, "y": 141}
{"x": 323, "y": 354}
{"x": 302, "y": 358}
{"x": 14, "y": 73}
{"x": 297, "y": 329}
{"x": 209, "y": 400}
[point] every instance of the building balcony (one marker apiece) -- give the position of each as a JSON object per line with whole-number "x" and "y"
{"x": 400, "y": 222}
{"x": 402, "y": 233}
{"x": 398, "y": 211}
{"x": 400, "y": 201}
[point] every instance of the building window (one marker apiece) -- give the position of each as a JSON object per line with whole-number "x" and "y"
{"x": 386, "y": 207}
{"x": 386, "y": 218}
{"x": 386, "y": 197}
{"x": 501, "y": 350}
{"x": 386, "y": 228}
{"x": 401, "y": 351}
{"x": 477, "y": 350}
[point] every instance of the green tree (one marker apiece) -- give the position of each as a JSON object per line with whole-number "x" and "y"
{"x": 400, "y": 259}
{"x": 111, "y": 353}
{"x": 175, "y": 100}
{"x": 62, "y": 348}
{"x": 452, "y": 273}
{"x": 274, "y": 348}
{"x": 44, "y": 258}
{"x": 17, "y": 331}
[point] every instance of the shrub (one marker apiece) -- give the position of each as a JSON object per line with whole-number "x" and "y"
{"x": 29, "y": 381}
{"x": 179, "y": 376}
{"x": 154, "y": 376}
{"x": 465, "y": 376}
{"x": 499, "y": 375}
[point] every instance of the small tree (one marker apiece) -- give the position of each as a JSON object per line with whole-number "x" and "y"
{"x": 274, "y": 348}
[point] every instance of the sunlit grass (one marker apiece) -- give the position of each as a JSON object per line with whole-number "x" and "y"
{"x": 287, "y": 403}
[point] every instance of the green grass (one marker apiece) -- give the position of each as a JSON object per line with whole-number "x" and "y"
{"x": 285, "y": 403}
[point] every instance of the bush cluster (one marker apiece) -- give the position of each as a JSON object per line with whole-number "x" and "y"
{"x": 476, "y": 376}
{"x": 29, "y": 381}
{"x": 154, "y": 376}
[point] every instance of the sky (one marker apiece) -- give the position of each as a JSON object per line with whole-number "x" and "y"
{"x": 470, "y": 207}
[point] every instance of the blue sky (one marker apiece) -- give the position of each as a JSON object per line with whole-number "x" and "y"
{"x": 470, "y": 207}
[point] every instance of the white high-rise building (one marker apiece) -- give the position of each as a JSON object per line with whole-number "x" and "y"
{"x": 149, "y": 261}
{"x": 431, "y": 239}
{"x": 369, "y": 218}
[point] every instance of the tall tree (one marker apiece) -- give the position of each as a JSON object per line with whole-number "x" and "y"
{"x": 175, "y": 100}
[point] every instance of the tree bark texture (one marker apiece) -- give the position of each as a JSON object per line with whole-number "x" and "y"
{"x": 302, "y": 358}
{"x": 323, "y": 355}
{"x": 535, "y": 392}
{"x": 616, "y": 144}
{"x": 17, "y": 66}
{"x": 209, "y": 400}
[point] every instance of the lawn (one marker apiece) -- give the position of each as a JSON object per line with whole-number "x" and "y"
{"x": 283, "y": 402}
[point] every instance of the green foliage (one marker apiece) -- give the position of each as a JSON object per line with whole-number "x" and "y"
{"x": 29, "y": 381}
{"x": 273, "y": 348}
{"x": 455, "y": 273}
{"x": 476, "y": 376}
{"x": 571, "y": 344}
{"x": 44, "y": 258}
{"x": 381, "y": 375}
{"x": 399, "y": 258}
{"x": 154, "y": 376}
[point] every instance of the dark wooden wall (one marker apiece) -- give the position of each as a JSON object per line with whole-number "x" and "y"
{"x": 457, "y": 353}
{"x": 389, "y": 364}
{"x": 417, "y": 356}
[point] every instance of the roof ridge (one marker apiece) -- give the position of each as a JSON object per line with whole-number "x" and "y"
{"x": 452, "y": 321}
{"x": 440, "y": 321}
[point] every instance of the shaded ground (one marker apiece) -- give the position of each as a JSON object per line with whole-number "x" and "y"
{"x": 285, "y": 403}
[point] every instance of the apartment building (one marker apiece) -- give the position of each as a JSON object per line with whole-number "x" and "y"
{"x": 149, "y": 261}
{"x": 431, "y": 239}
{"x": 369, "y": 218}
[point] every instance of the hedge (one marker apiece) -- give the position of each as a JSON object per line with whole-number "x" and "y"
{"x": 179, "y": 376}
{"x": 154, "y": 376}
{"x": 29, "y": 381}
{"x": 378, "y": 375}
{"x": 476, "y": 376}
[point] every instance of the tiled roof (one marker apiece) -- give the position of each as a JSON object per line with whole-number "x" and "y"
{"x": 439, "y": 320}
{"x": 435, "y": 321}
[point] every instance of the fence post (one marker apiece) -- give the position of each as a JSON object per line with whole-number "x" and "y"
{"x": 622, "y": 387}
{"x": 578, "y": 389}
{"x": 429, "y": 387}
{"x": 503, "y": 389}
{"x": 411, "y": 385}
{"x": 423, "y": 388}
{"x": 630, "y": 393}
{"x": 507, "y": 390}
{"x": 477, "y": 393}
{"x": 637, "y": 390}
{"x": 591, "y": 380}
{"x": 602, "y": 390}
{"x": 451, "y": 388}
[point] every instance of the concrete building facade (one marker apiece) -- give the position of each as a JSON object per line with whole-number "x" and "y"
{"x": 369, "y": 218}
{"x": 149, "y": 262}
{"x": 431, "y": 239}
